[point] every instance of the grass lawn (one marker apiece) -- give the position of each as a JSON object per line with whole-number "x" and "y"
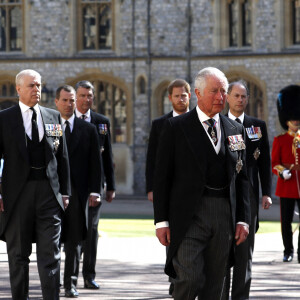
{"x": 126, "y": 227}
{"x": 145, "y": 227}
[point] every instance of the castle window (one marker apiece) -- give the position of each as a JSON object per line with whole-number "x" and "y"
{"x": 239, "y": 23}
{"x": 95, "y": 25}
{"x": 11, "y": 32}
{"x": 8, "y": 94}
{"x": 296, "y": 21}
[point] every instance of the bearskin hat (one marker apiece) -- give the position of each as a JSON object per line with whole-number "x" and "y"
{"x": 288, "y": 104}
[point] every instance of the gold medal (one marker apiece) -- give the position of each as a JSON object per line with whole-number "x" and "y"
{"x": 256, "y": 153}
{"x": 239, "y": 165}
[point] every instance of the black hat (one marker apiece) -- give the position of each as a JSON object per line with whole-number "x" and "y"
{"x": 288, "y": 104}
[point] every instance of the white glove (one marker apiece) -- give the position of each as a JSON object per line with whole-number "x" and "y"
{"x": 286, "y": 174}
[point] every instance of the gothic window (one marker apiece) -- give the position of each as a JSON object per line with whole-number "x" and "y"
{"x": 110, "y": 100}
{"x": 141, "y": 85}
{"x": 8, "y": 95}
{"x": 95, "y": 24}
{"x": 239, "y": 23}
{"x": 11, "y": 32}
{"x": 296, "y": 21}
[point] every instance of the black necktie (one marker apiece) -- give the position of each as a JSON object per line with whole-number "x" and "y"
{"x": 238, "y": 120}
{"x": 67, "y": 132}
{"x": 212, "y": 130}
{"x": 34, "y": 127}
{"x": 83, "y": 117}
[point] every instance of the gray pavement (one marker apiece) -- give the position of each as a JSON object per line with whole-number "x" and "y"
{"x": 132, "y": 268}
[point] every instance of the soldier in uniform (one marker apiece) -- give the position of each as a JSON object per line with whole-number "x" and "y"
{"x": 285, "y": 164}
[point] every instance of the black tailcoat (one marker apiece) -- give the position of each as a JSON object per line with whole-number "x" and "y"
{"x": 180, "y": 176}
{"x": 16, "y": 160}
{"x": 155, "y": 132}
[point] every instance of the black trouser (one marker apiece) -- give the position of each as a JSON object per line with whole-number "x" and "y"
{"x": 287, "y": 206}
{"x": 90, "y": 244}
{"x": 36, "y": 216}
{"x": 74, "y": 227}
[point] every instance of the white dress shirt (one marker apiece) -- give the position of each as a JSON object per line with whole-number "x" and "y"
{"x": 71, "y": 122}
{"x": 232, "y": 117}
{"x": 87, "y": 114}
{"x": 202, "y": 118}
{"x": 27, "y": 115}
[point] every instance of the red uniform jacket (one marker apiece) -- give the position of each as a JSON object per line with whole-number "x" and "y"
{"x": 282, "y": 158}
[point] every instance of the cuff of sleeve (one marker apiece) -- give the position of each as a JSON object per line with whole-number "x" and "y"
{"x": 95, "y": 194}
{"x": 243, "y": 223}
{"x": 162, "y": 224}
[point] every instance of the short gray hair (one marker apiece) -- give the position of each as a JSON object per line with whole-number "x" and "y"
{"x": 27, "y": 72}
{"x": 201, "y": 77}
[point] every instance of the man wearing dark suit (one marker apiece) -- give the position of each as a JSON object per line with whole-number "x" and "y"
{"x": 258, "y": 167}
{"x": 85, "y": 168}
{"x": 200, "y": 191}
{"x": 35, "y": 176}
{"x": 84, "y": 100}
{"x": 179, "y": 95}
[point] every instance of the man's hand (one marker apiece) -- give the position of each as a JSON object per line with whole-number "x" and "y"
{"x": 266, "y": 202}
{"x": 150, "y": 196}
{"x": 94, "y": 201}
{"x": 65, "y": 200}
{"x": 163, "y": 234}
{"x": 241, "y": 233}
{"x": 1, "y": 204}
{"x": 110, "y": 195}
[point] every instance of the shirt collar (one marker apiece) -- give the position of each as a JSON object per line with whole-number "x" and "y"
{"x": 79, "y": 114}
{"x": 232, "y": 117}
{"x": 175, "y": 114}
{"x": 24, "y": 108}
{"x": 70, "y": 120}
{"x": 203, "y": 117}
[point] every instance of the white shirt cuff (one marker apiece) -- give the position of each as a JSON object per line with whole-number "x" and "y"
{"x": 243, "y": 223}
{"x": 95, "y": 194}
{"x": 162, "y": 224}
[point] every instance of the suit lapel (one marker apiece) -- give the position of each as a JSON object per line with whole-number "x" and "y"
{"x": 232, "y": 156}
{"x": 47, "y": 119}
{"x": 197, "y": 139}
{"x": 19, "y": 131}
{"x": 76, "y": 132}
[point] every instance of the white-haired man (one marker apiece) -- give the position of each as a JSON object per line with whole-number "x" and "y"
{"x": 35, "y": 176}
{"x": 200, "y": 190}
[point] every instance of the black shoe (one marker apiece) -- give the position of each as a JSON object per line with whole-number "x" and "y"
{"x": 171, "y": 289}
{"x": 91, "y": 284}
{"x": 72, "y": 293}
{"x": 288, "y": 258}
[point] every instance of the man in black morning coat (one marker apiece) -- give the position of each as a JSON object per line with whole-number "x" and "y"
{"x": 85, "y": 168}
{"x": 258, "y": 168}
{"x": 200, "y": 191}
{"x": 84, "y": 100}
{"x": 179, "y": 94}
{"x": 35, "y": 187}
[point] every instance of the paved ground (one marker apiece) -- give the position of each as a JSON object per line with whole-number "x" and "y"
{"x": 132, "y": 268}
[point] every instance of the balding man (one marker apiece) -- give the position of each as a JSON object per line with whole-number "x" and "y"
{"x": 35, "y": 176}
